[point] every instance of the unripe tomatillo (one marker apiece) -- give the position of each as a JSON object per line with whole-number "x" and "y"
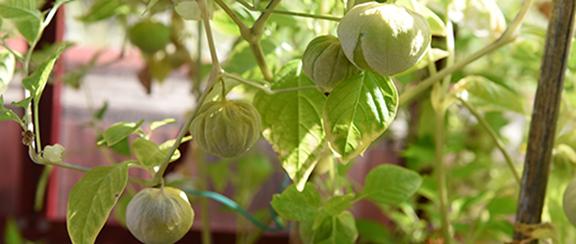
{"x": 383, "y": 37}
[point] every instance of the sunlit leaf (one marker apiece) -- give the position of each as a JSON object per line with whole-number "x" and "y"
{"x": 487, "y": 95}
{"x": 26, "y": 19}
{"x": 147, "y": 152}
{"x": 36, "y": 82}
{"x": 119, "y": 131}
{"x": 155, "y": 124}
{"x": 105, "y": 9}
{"x": 291, "y": 122}
{"x": 92, "y": 199}
{"x": 7, "y": 65}
{"x": 358, "y": 111}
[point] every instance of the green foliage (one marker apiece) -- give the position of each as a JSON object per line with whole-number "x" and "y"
{"x": 298, "y": 205}
{"x": 7, "y": 66}
{"x": 119, "y": 131}
{"x": 390, "y": 184}
{"x": 317, "y": 136}
{"x": 104, "y": 9}
{"x": 358, "y": 111}
{"x": 339, "y": 229}
{"x": 26, "y": 18}
{"x": 488, "y": 96}
{"x": 291, "y": 122}
{"x": 92, "y": 199}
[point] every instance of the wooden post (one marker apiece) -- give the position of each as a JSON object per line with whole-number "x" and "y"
{"x": 545, "y": 114}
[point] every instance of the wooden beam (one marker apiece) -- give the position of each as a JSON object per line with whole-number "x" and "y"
{"x": 545, "y": 114}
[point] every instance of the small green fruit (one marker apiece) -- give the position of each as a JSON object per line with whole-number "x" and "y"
{"x": 326, "y": 64}
{"x": 149, "y": 36}
{"x": 226, "y": 128}
{"x": 159, "y": 215}
{"x": 383, "y": 37}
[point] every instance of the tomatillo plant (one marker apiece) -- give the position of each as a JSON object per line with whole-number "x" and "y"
{"x": 328, "y": 85}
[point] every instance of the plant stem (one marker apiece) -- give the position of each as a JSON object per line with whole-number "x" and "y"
{"x": 41, "y": 188}
{"x": 264, "y": 88}
{"x": 274, "y": 11}
{"x": 256, "y": 49}
{"x": 257, "y": 31}
{"x": 441, "y": 176}
{"x": 508, "y": 36}
{"x": 214, "y": 78}
{"x": 35, "y": 127}
{"x": 494, "y": 137}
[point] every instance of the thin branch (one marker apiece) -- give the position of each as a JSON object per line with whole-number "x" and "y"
{"x": 494, "y": 137}
{"x": 265, "y": 88}
{"x": 508, "y": 36}
{"x": 214, "y": 78}
{"x": 274, "y": 11}
{"x": 258, "y": 27}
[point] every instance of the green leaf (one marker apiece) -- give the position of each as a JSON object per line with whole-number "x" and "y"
{"x": 155, "y": 124}
{"x": 391, "y": 184}
{"x": 151, "y": 155}
{"x": 487, "y": 95}
{"x": 340, "y": 229}
{"x": 105, "y": 9}
{"x": 100, "y": 113}
{"x": 373, "y": 231}
{"x": 502, "y": 205}
{"x": 36, "y": 82}
{"x": 28, "y": 28}
{"x": 122, "y": 147}
{"x": 147, "y": 152}
{"x": 119, "y": 131}
{"x": 8, "y": 114}
{"x": 167, "y": 145}
{"x": 12, "y": 234}
{"x": 358, "y": 111}
{"x": 92, "y": 199}
{"x": 23, "y": 104}
{"x": 295, "y": 205}
{"x": 10, "y": 11}
{"x": 337, "y": 204}
{"x": 26, "y": 19}
{"x": 291, "y": 122}
{"x": 7, "y": 65}
{"x": 60, "y": 2}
